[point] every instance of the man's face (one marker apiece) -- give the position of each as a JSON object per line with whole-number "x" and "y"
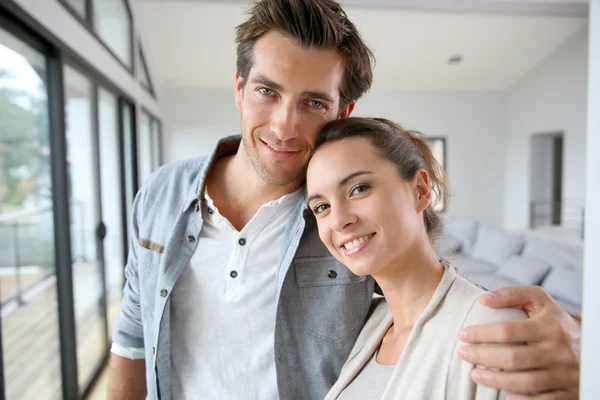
{"x": 290, "y": 93}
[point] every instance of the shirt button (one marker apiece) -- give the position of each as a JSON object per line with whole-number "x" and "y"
{"x": 191, "y": 239}
{"x": 154, "y": 350}
{"x": 332, "y": 274}
{"x": 209, "y": 210}
{"x": 242, "y": 241}
{"x": 233, "y": 274}
{"x": 163, "y": 293}
{"x": 197, "y": 207}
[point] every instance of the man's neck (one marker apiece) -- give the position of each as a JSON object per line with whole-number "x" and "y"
{"x": 237, "y": 190}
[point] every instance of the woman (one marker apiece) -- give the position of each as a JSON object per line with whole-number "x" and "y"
{"x": 370, "y": 185}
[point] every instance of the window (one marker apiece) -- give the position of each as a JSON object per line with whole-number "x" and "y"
{"x": 112, "y": 22}
{"x": 84, "y": 198}
{"x": 79, "y": 6}
{"x": 438, "y": 148}
{"x": 148, "y": 146}
{"x": 110, "y": 176}
{"x": 143, "y": 75}
{"x": 28, "y": 293}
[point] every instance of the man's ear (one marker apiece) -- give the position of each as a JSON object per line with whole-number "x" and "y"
{"x": 239, "y": 90}
{"x": 422, "y": 190}
{"x": 346, "y": 111}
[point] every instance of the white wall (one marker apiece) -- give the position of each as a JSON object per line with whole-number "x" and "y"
{"x": 590, "y": 384}
{"x": 551, "y": 98}
{"x": 196, "y": 118}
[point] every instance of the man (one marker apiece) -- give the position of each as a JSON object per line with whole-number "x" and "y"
{"x": 230, "y": 293}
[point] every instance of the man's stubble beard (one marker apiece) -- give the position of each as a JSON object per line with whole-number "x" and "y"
{"x": 263, "y": 173}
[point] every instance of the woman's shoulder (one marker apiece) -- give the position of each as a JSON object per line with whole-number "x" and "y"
{"x": 478, "y": 313}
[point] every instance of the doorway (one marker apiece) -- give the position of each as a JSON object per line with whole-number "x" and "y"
{"x": 546, "y": 178}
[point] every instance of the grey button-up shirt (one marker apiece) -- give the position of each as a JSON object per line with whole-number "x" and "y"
{"x": 321, "y": 305}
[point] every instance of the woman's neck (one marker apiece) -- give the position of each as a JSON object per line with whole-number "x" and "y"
{"x": 409, "y": 284}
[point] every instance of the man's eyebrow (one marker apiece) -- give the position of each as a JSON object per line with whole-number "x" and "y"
{"x": 318, "y": 96}
{"x": 263, "y": 80}
{"x": 342, "y": 183}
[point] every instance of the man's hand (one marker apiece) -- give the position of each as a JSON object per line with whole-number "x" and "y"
{"x": 550, "y": 358}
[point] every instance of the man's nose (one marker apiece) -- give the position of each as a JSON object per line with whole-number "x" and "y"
{"x": 284, "y": 122}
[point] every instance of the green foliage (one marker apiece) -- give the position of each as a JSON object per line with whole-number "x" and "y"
{"x": 24, "y": 141}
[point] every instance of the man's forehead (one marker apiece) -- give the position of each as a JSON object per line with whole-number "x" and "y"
{"x": 280, "y": 60}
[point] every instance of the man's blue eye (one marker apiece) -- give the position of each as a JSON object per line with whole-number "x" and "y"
{"x": 316, "y": 104}
{"x": 266, "y": 92}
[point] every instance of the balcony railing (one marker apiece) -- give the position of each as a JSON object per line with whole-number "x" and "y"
{"x": 568, "y": 215}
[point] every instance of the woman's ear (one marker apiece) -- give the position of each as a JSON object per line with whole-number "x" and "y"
{"x": 422, "y": 190}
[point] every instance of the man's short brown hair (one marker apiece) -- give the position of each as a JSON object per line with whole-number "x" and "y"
{"x": 311, "y": 23}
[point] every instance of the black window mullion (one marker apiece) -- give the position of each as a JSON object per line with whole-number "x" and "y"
{"x": 2, "y": 386}
{"x": 62, "y": 226}
{"x": 90, "y": 14}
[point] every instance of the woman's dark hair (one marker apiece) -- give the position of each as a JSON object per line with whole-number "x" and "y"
{"x": 408, "y": 150}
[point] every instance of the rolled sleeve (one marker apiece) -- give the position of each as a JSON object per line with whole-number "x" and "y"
{"x": 128, "y": 352}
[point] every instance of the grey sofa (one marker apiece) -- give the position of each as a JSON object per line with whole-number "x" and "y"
{"x": 495, "y": 258}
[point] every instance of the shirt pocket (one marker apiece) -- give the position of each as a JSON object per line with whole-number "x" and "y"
{"x": 150, "y": 252}
{"x": 334, "y": 301}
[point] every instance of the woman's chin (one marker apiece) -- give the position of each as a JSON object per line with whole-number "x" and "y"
{"x": 361, "y": 270}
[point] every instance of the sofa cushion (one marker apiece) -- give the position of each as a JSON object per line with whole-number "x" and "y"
{"x": 496, "y": 246}
{"x": 564, "y": 284}
{"x": 548, "y": 253}
{"x": 491, "y": 281}
{"x": 463, "y": 231}
{"x": 524, "y": 270}
{"x": 468, "y": 265}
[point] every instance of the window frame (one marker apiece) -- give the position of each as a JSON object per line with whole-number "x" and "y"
{"x": 88, "y": 23}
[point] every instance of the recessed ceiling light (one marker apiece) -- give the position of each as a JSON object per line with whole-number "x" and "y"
{"x": 455, "y": 59}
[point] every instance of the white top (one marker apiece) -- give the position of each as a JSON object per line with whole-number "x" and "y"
{"x": 429, "y": 367}
{"x": 370, "y": 383}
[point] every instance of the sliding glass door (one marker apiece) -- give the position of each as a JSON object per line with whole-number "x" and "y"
{"x": 28, "y": 292}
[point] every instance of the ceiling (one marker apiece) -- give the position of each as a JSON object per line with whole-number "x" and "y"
{"x": 190, "y": 43}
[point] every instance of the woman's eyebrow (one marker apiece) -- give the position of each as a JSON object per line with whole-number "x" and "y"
{"x": 342, "y": 183}
{"x": 352, "y": 176}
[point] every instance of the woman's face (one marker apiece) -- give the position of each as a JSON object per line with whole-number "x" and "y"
{"x": 367, "y": 215}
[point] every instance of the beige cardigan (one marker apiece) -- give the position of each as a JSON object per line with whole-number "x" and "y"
{"x": 429, "y": 367}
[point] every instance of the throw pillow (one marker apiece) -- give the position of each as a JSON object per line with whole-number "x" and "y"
{"x": 496, "y": 246}
{"x": 524, "y": 270}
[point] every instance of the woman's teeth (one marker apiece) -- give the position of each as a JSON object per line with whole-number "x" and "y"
{"x": 357, "y": 242}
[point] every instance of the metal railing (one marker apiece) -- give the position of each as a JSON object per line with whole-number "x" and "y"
{"x": 27, "y": 241}
{"x": 569, "y": 214}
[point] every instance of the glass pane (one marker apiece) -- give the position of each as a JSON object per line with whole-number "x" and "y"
{"x": 144, "y": 145}
{"x": 78, "y": 6}
{"x": 87, "y": 272}
{"x": 113, "y": 25}
{"x": 155, "y": 144}
{"x": 28, "y": 293}
{"x": 112, "y": 213}
{"x": 128, "y": 112}
{"x": 143, "y": 75}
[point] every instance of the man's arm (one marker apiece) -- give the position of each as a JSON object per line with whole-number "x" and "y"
{"x": 550, "y": 358}
{"x": 126, "y": 379}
